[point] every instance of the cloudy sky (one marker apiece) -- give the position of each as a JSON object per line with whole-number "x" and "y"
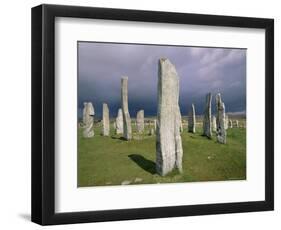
{"x": 200, "y": 69}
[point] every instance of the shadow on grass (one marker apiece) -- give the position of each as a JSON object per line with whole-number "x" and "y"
{"x": 144, "y": 163}
{"x": 119, "y": 138}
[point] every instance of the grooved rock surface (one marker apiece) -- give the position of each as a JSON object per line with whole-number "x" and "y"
{"x": 119, "y": 122}
{"x": 127, "y": 126}
{"x": 140, "y": 121}
{"x": 168, "y": 140}
{"x": 207, "y": 126}
{"x": 192, "y": 120}
{"x": 88, "y": 120}
{"x": 221, "y": 131}
{"x": 105, "y": 120}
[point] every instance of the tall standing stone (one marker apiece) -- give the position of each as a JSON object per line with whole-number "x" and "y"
{"x": 127, "y": 127}
{"x": 207, "y": 124}
{"x": 119, "y": 122}
{"x": 168, "y": 139}
{"x": 221, "y": 131}
{"x": 140, "y": 121}
{"x": 192, "y": 120}
{"x": 214, "y": 124}
{"x": 236, "y": 123}
{"x": 88, "y": 120}
{"x": 105, "y": 120}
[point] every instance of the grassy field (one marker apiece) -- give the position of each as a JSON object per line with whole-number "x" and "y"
{"x": 114, "y": 161}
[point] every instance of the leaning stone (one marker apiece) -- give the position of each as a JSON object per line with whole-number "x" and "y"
{"x": 127, "y": 127}
{"x": 105, "y": 120}
{"x": 88, "y": 120}
{"x": 207, "y": 117}
{"x": 140, "y": 121}
{"x": 221, "y": 131}
{"x": 168, "y": 142}
{"x": 192, "y": 120}
{"x": 119, "y": 122}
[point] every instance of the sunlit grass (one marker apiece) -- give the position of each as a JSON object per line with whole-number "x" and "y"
{"x": 111, "y": 160}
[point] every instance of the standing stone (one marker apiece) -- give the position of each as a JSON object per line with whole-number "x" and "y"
{"x": 151, "y": 132}
{"x": 226, "y": 122}
{"x": 221, "y": 131}
{"x": 105, "y": 120}
{"x": 140, "y": 121}
{"x": 192, "y": 120}
{"x": 207, "y": 125}
{"x": 181, "y": 125}
{"x": 155, "y": 124}
{"x": 230, "y": 124}
{"x": 236, "y": 123}
{"x": 119, "y": 122}
{"x": 214, "y": 124}
{"x": 168, "y": 140}
{"x": 127, "y": 127}
{"x": 88, "y": 120}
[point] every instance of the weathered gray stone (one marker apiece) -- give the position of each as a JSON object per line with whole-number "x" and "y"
{"x": 126, "y": 182}
{"x": 230, "y": 124}
{"x": 192, "y": 120}
{"x": 214, "y": 124}
{"x": 151, "y": 132}
{"x": 119, "y": 122}
{"x": 105, "y": 120}
{"x": 236, "y": 124}
{"x": 226, "y": 121}
{"x": 140, "y": 121}
{"x": 221, "y": 131}
{"x": 168, "y": 141}
{"x": 155, "y": 124}
{"x": 88, "y": 120}
{"x": 138, "y": 180}
{"x": 207, "y": 124}
{"x": 181, "y": 126}
{"x": 127, "y": 127}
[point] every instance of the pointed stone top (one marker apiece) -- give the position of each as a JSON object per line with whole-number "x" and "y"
{"x": 162, "y": 59}
{"x": 218, "y": 98}
{"x": 124, "y": 78}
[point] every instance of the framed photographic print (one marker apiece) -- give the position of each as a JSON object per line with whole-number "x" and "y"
{"x": 142, "y": 114}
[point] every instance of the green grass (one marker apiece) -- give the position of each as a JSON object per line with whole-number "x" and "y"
{"x": 111, "y": 160}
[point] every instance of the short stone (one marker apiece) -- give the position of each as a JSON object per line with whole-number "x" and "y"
{"x": 126, "y": 182}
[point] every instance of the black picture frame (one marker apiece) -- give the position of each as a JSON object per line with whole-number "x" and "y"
{"x": 43, "y": 114}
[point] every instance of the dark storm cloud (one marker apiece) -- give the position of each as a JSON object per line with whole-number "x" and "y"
{"x": 201, "y": 70}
